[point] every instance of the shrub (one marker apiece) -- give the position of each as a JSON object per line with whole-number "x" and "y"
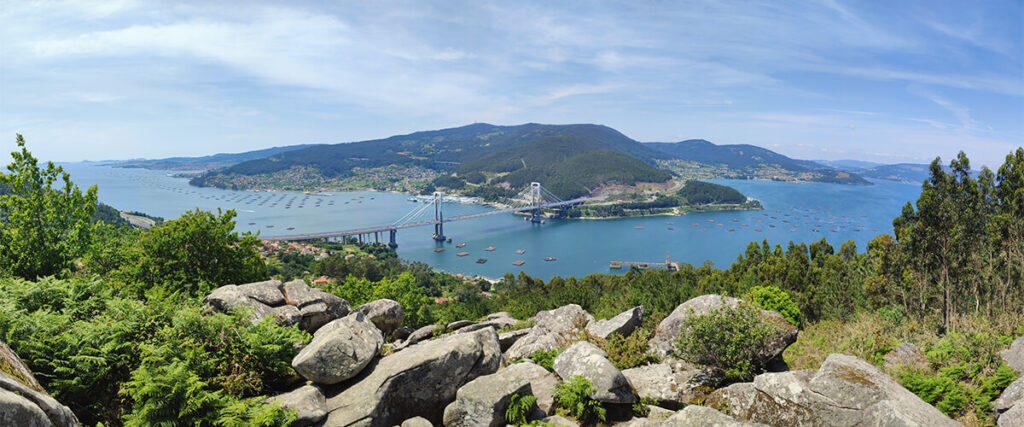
{"x": 546, "y": 358}
{"x": 777, "y": 300}
{"x": 728, "y": 339}
{"x": 627, "y": 351}
{"x": 519, "y": 408}
{"x": 573, "y": 397}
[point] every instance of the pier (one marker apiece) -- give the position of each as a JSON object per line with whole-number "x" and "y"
{"x": 668, "y": 264}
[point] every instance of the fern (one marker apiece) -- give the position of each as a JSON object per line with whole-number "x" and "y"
{"x": 518, "y": 408}
{"x": 573, "y": 397}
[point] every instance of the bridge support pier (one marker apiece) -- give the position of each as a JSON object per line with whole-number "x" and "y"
{"x": 393, "y": 244}
{"x": 439, "y": 217}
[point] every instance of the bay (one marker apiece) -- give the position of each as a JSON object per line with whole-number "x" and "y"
{"x": 798, "y": 212}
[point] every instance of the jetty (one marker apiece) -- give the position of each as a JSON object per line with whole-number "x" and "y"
{"x": 668, "y": 264}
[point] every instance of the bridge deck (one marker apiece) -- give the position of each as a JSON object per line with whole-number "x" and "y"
{"x": 383, "y": 228}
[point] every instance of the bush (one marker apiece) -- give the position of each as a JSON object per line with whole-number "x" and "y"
{"x": 777, "y": 300}
{"x": 573, "y": 397}
{"x": 728, "y": 339}
{"x": 193, "y": 254}
{"x": 546, "y": 359}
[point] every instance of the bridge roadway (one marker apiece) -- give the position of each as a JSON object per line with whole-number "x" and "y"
{"x": 383, "y": 228}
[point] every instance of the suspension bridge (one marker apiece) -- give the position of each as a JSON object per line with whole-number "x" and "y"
{"x": 531, "y": 200}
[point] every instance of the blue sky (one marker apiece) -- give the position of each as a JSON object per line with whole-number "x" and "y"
{"x": 879, "y": 81}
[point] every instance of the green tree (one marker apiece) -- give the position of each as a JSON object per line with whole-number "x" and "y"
{"x": 42, "y": 228}
{"x": 193, "y": 254}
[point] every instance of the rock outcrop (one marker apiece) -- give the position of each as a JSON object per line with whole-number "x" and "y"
{"x": 292, "y": 303}
{"x": 552, "y": 329}
{"x": 23, "y": 402}
{"x": 418, "y": 381}
{"x": 670, "y": 328}
{"x": 584, "y": 358}
{"x": 905, "y": 355}
{"x": 339, "y": 350}
{"x": 623, "y": 324}
{"x": 846, "y": 391}
{"x": 386, "y": 314}
{"x": 1014, "y": 356}
{"x": 702, "y": 416}
{"x": 671, "y": 385}
{"x": 483, "y": 401}
{"x": 308, "y": 402}
{"x": 1009, "y": 407}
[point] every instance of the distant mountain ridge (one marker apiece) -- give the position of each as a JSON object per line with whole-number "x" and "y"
{"x": 214, "y": 161}
{"x": 735, "y": 156}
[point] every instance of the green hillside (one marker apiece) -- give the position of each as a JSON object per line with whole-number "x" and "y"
{"x": 529, "y": 152}
{"x": 705, "y": 193}
{"x": 701, "y": 159}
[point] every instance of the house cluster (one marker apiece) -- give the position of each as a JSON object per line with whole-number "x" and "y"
{"x": 272, "y": 247}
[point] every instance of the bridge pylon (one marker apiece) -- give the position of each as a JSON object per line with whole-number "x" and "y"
{"x": 536, "y": 200}
{"x": 439, "y": 216}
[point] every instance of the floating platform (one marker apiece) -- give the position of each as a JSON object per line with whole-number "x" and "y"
{"x": 481, "y": 260}
{"x": 439, "y": 250}
{"x": 460, "y": 245}
{"x": 489, "y": 248}
{"x": 521, "y": 251}
{"x": 550, "y": 258}
{"x": 639, "y": 227}
{"x": 462, "y": 253}
{"x": 518, "y": 262}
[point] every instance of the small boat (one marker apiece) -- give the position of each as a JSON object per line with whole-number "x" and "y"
{"x": 519, "y": 262}
{"x": 489, "y": 248}
{"x": 732, "y": 229}
{"x": 757, "y": 229}
{"x": 460, "y": 245}
{"x": 639, "y": 227}
{"x": 439, "y": 250}
{"x": 550, "y": 258}
{"x": 481, "y": 260}
{"x": 670, "y": 228}
{"x": 521, "y": 251}
{"x": 291, "y": 228}
{"x": 270, "y": 226}
{"x": 252, "y": 223}
{"x": 462, "y": 253}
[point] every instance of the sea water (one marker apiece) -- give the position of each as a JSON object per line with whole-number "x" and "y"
{"x": 798, "y": 212}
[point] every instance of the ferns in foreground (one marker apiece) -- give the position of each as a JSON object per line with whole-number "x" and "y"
{"x": 519, "y": 408}
{"x": 573, "y": 397}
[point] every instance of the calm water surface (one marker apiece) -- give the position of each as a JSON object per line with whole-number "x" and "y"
{"x": 799, "y": 212}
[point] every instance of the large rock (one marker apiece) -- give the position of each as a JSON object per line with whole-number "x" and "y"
{"x": 544, "y": 390}
{"x": 308, "y": 402}
{"x": 23, "y": 401}
{"x": 418, "y": 381}
{"x": 318, "y": 307}
{"x": 501, "y": 319}
{"x": 483, "y": 401}
{"x": 417, "y": 422}
{"x": 268, "y": 292}
{"x": 905, "y": 355}
{"x": 422, "y": 334}
{"x": 1014, "y": 356}
{"x": 846, "y": 391}
{"x": 702, "y": 416}
{"x": 671, "y": 327}
{"x": 386, "y": 314}
{"x": 508, "y": 338}
{"x": 552, "y": 329}
{"x": 623, "y": 324}
{"x": 671, "y": 386}
{"x": 292, "y": 303}
{"x": 1008, "y": 407}
{"x": 584, "y": 358}
{"x": 339, "y": 350}
{"x": 230, "y": 298}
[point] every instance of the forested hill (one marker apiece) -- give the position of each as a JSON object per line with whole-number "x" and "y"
{"x": 215, "y": 161}
{"x": 529, "y": 152}
{"x": 748, "y": 161}
{"x": 735, "y": 156}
